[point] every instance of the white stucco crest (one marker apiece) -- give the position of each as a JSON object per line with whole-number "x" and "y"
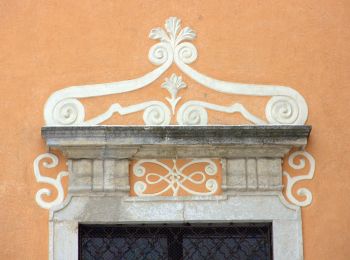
{"x": 285, "y": 107}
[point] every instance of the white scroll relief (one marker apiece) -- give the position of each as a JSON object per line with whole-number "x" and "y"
{"x": 194, "y": 113}
{"x": 286, "y": 105}
{"x": 43, "y": 179}
{"x": 291, "y": 180}
{"x": 175, "y": 178}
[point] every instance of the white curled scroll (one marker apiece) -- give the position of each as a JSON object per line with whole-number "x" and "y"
{"x": 296, "y": 160}
{"x": 56, "y": 183}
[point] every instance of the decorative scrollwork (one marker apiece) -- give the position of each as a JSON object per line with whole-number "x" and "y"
{"x": 69, "y": 111}
{"x": 298, "y": 165}
{"x": 282, "y": 110}
{"x": 186, "y": 52}
{"x": 43, "y": 179}
{"x": 192, "y": 114}
{"x": 64, "y": 108}
{"x": 286, "y": 105}
{"x": 159, "y": 53}
{"x": 157, "y": 114}
{"x": 175, "y": 179}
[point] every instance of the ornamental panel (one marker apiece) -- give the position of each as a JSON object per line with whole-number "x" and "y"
{"x": 176, "y": 177}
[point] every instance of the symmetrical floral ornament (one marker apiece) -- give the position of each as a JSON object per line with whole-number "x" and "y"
{"x": 292, "y": 180}
{"x": 175, "y": 178}
{"x": 63, "y": 108}
{"x": 43, "y": 179}
{"x": 173, "y": 85}
{"x": 286, "y": 105}
{"x": 171, "y": 36}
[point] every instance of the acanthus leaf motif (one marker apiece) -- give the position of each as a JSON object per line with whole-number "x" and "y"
{"x": 185, "y": 34}
{"x": 172, "y": 33}
{"x": 173, "y": 85}
{"x": 172, "y": 25}
{"x": 159, "y": 33}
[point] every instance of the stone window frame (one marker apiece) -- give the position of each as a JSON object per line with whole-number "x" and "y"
{"x": 248, "y": 195}
{"x": 110, "y": 209}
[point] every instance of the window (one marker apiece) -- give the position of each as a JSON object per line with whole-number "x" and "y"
{"x": 179, "y": 241}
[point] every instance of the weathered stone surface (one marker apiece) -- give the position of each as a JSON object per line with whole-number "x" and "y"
{"x": 212, "y": 135}
{"x": 99, "y": 155}
{"x": 98, "y": 175}
{"x": 269, "y": 173}
{"x": 175, "y": 141}
{"x": 252, "y": 174}
{"x": 270, "y": 207}
{"x": 252, "y": 179}
{"x": 236, "y": 174}
{"x": 81, "y": 177}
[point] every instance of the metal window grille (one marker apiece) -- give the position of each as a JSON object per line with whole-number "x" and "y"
{"x": 175, "y": 242}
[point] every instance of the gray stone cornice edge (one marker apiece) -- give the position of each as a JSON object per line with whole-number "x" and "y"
{"x": 176, "y": 135}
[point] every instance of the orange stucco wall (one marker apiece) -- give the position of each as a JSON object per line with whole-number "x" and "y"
{"x": 48, "y": 45}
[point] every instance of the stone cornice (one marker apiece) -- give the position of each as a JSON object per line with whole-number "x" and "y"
{"x": 180, "y": 141}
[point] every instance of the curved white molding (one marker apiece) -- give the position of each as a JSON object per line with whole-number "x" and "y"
{"x": 175, "y": 178}
{"x": 43, "y": 179}
{"x": 64, "y": 108}
{"x": 292, "y": 180}
{"x": 194, "y": 113}
{"x": 155, "y": 113}
{"x": 286, "y": 106}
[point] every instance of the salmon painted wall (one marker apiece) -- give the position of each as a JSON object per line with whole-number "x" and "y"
{"x": 48, "y": 45}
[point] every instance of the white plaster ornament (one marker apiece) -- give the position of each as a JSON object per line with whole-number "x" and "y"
{"x": 63, "y": 108}
{"x": 291, "y": 180}
{"x": 56, "y": 183}
{"x": 175, "y": 178}
{"x": 286, "y": 105}
{"x": 173, "y": 85}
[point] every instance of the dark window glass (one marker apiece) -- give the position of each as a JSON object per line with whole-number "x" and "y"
{"x": 173, "y": 242}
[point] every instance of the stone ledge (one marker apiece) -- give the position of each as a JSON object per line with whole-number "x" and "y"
{"x": 181, "y": 141}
